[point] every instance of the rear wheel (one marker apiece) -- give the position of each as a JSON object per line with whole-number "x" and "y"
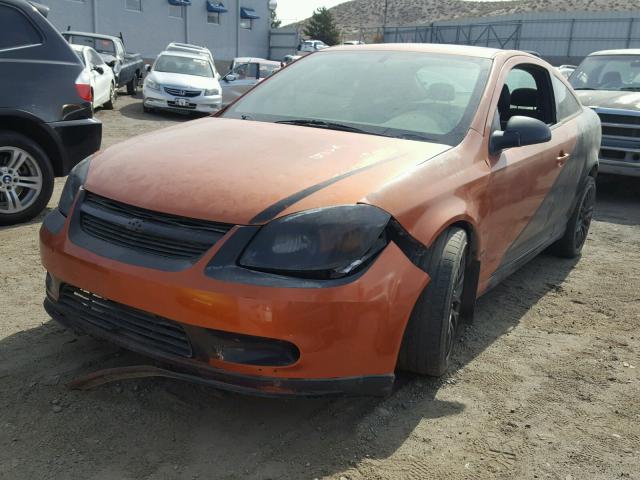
{"x": 132, "y": 86}
{"x": 26, "y": 178}
{"x": 575, "y": 235}
{"x": 432, "y": 329}
{"x": 113, "y": 95}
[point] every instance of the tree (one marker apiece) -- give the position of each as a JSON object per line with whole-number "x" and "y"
{"x": 322, "y": 26}
{"x": 275, "y": 21}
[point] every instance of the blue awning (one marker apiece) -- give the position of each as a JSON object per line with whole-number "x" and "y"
{"x": 215, "y": 7}
{"x": 248, "y": 13}
{"x": 180, "y": 3}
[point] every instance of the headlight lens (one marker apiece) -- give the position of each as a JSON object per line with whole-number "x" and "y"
{"x": 324, "y": 243}
{"x": 75, "y": 180}
{"x": 152, "y": 85}
{"x": 211, "y": 92}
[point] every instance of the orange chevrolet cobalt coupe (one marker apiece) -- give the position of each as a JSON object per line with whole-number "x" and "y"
{"x": 333, "y": 225}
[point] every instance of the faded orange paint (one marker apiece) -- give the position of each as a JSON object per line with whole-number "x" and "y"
{"x": 351, "y": 330}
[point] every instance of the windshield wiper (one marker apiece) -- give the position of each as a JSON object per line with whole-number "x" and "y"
{"x": 630, "y": 89}
{"x": 584, "y": 88}
{"x": 322, "y": 124}
{"x": 415, "y": 136}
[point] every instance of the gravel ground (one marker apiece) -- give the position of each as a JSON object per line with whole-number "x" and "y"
{"x": 545, "y": 383}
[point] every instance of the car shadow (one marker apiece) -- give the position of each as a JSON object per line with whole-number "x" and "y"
{"x": 134, "y": 110}
{"x": 36, "y": 220}
{"x": 618, "y": 200}
{"x": 242, "y": 435}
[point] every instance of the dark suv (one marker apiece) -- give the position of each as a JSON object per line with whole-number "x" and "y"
{"x": 46, "y": 124}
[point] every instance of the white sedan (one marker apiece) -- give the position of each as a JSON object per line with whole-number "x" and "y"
{"x": 182, "y": 81}
{"x": 99, "y": 75}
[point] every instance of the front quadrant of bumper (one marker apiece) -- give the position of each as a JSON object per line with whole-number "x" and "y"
{"x": 348, "y": 331}
{"x": 199, "y": 372}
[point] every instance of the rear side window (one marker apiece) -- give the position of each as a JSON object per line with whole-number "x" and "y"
{"x": 17, "y": 30}
{"x": 566, "y": 103}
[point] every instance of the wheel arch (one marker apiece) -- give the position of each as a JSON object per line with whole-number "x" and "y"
{"x": 31, "y": 127}
{"x": 439, "y": 221}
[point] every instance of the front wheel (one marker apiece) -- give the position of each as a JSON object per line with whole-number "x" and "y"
{"x": 432, "y": 329}
{"x": 26, "y": 178}
{"x": 575, "y": 235}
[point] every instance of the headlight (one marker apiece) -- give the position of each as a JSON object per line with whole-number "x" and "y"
{"x": 211, "y": 92}
{"x": 75, "y": 180}
{"x": 324, "y": 243}
{"x": 151, "y": 84}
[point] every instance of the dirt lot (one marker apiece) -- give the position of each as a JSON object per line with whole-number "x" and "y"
{"x": 546, "y": 383}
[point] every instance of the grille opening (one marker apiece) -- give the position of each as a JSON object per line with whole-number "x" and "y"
{"x": 613, "y": 154}
{"x": 179, "y": 92}
{"x": 137, "y": 326}
{"x": 148, "y": 232}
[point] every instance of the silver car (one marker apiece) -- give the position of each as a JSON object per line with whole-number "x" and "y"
{"x": 182, "y": 81}
{"x": 246, "y": 72}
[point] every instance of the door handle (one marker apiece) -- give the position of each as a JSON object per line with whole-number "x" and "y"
{"x": 562, "y": 158}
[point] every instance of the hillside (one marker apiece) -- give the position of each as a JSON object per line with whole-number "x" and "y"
{"x": 366, "y": 14}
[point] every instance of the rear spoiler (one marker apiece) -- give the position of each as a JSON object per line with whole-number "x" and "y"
{"x": 43, "y": 9}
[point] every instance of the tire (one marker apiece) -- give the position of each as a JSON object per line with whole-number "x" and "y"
{"x": 575, "y": 235}
{"x": 113, "y": 95}
{"x": 431, "y": 331}
{"x": 132, "y": 86}
{"x": 25, "y": 190}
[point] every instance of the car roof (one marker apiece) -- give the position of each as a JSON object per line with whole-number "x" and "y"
{"x": 79, "y": 48}
{"x": 439, "y": 48}
{"x": 620, "y": 51}
{"x": 255, "y": 60}
{"x": 182, "y": 53}
{"x": 89, "y": 34}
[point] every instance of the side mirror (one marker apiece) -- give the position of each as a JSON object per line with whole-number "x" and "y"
{"x": 230, "y": 77}
{"x": 147, "y": 67}
{"x": 100, "y": 70}
{"x": 111, "y": 63}
{"x": 520, "y": 131}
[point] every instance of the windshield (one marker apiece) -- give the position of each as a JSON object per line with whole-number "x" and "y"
{"x": 421, "y": 96}
{"x": 608, "y": 72}
{"x": 100, "y": 45}
{"x": 185, "y": 65}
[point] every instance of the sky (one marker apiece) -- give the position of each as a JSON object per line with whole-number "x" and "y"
{"x": 290, "y": 11}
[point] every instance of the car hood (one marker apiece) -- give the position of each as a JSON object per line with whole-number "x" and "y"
{"x": 245, "y": 172}
{"x": 610, "y": 99}
{"x": 186, "y": 81}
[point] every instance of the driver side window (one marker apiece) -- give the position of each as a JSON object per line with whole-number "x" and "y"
{"x": 527, "y": 92}
{"x": 246, "y": 71}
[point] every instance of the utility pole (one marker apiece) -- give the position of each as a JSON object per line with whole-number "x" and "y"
{"x": 386, "y": 6}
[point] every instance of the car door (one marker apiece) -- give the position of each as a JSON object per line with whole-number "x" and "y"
{"x": 574, "y": 151}
{"x": 101, "y": 80}
{"x": 242, "y": 78}
{"x": 519, "y": 219}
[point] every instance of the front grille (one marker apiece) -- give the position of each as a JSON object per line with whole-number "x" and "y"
{"x": 146, "y": 231}
{"x": 621, "y": 131}
{"x": 619, "y": 124}
{"x": 136, "y": 326}
{"x": 179, "y": 92}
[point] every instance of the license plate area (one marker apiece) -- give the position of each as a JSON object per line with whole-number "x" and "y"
{"x": 182, "y": 102}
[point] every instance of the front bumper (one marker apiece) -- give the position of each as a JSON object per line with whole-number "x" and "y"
{"x": 348, "y": 336}
{"x": 77, "y": 140}
{"x": 161, "y": 100}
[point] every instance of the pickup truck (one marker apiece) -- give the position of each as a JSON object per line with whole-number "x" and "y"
{"x": 609, "y": 82}
{"x": 127, "y": 67}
